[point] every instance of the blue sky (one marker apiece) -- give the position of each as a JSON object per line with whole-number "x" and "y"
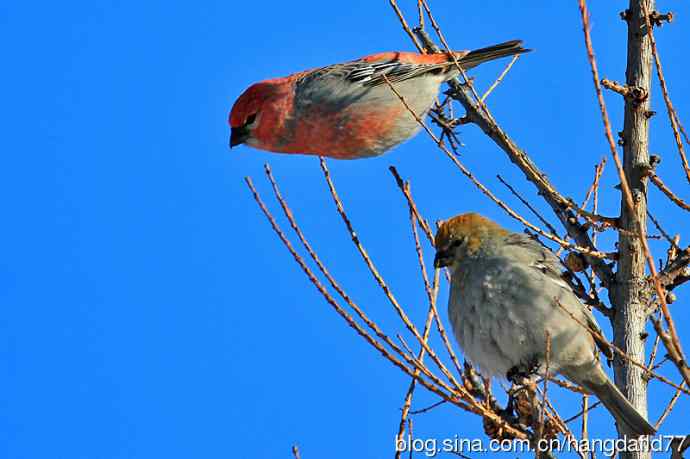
{"x": 148, "y": 310}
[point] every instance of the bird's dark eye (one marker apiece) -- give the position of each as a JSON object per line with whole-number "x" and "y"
{"x": 250, "y": 119}
{"x": 457, "y": 242}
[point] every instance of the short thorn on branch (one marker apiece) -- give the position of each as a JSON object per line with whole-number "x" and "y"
{"x": 657, "y": 19}
{"x": 636, "y": 94}
{"x": 654, "y": 160}
{"x": 650, "y": 168}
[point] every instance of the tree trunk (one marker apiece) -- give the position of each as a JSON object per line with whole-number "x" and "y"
{"x": 629, "y": 321}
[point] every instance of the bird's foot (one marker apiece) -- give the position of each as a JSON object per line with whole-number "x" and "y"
{"x": 525, "y": 370}
{"x": 517, "y": 375}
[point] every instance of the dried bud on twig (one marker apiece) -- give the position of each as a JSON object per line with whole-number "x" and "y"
{"x": 575, "y": 262}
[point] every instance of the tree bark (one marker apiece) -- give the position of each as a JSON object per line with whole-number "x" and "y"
{"x": 627, "y": 293}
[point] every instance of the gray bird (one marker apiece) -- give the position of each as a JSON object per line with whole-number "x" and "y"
{"x": 505, "y": 294}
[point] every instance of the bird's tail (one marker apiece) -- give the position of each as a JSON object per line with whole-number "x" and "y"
{"x": 479, "y": 56}
{"x": 619, "y": 406}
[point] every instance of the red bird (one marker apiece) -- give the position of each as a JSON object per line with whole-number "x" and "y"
{"x": 347, "y": 111}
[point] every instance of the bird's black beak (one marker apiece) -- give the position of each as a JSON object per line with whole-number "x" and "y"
{"x": 238, "y": 136}
{"x": 442, "y": 259}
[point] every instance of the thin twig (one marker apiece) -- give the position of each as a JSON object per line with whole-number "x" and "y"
{"x": 439, "y": 33}
{"x": 420, "y": 14}
{"x": 432, "y": 294}
{"x": 409, "y": 428}
{"x": 423, "y": 223}
{"x": 671, "y": 341}
{"x": 656, "y": 180}
{"x": 668, "y": 408}
{"x": 664, "y": 234}
{"x": 427, "y": 230}
{"x": 547, "y": 358}
{"x": 560, "y": 423}
{"x": 582, "y": 412}
{"x": 405, "y": 27}
{"x": 585, "y": 416}
{"x": 500, "y": 77}
{"x": 429, "y": 408}
{"x": 652, "y": 355}
{"x": 528, "y": 205}
{"x": 593, "y": 189}
{"x": 566, "y": 385}
{"x": 598, "y": 172}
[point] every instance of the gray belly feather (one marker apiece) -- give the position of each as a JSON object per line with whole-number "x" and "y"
{"x": 500, "y": 316}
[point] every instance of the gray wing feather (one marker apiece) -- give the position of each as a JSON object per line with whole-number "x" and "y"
{"x": 552, "y": 267}
{"x": 340, "y": 85}
{"x": 531, "y": 252}
{"x": 370, "y": 73}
